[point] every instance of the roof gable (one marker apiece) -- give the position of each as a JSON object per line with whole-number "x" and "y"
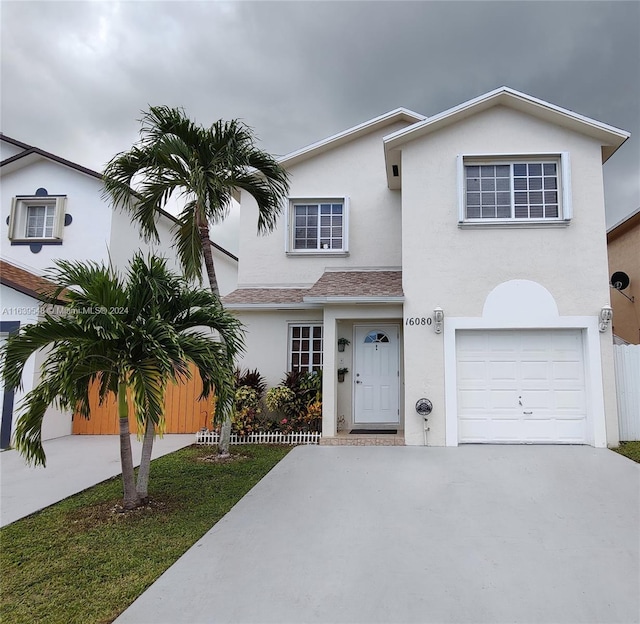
{"x": 611, "y": 138}
{"x": 30, "y": 153}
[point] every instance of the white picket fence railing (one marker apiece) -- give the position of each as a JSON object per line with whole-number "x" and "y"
{"x": 262, "y": 437}
{"x": 627, "y": 367}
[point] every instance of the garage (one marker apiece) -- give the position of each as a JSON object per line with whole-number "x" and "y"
{"x": 521, "y": 386}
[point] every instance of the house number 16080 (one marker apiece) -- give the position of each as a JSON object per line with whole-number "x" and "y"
{"x": 418, "y": 320}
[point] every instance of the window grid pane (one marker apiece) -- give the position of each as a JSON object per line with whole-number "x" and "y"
{"x": 318, "y": 226}
{"x": 305, "y": 348}
{"x": 526, "y": 190}
{"x": 531, "y": 201}
{"x": 40, "y": 221}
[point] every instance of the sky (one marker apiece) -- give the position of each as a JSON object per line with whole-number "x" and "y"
{"x": 75, "y": 76}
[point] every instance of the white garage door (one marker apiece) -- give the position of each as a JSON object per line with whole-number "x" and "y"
{"x": 521, "y": 386}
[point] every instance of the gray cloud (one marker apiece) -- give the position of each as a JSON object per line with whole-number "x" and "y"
{"x": 75, "y": 75}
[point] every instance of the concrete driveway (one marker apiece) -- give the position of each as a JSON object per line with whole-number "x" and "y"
{"x": 518, "y": 534}
{"x": 74, "y": 463}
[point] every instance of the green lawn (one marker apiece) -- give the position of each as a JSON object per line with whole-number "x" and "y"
{"x": 630, "y": 450}
{"x": 80, "y": 562}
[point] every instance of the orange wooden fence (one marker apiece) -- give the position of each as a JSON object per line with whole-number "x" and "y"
{"x": 183, "y": 412}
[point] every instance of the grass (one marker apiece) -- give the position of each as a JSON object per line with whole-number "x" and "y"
{"x": 630, "y": 450}
{"x": 79, "y": 561}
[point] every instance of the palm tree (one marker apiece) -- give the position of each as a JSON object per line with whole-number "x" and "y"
{"x": 204, "y": 168}
{"x": 134, "y": 334}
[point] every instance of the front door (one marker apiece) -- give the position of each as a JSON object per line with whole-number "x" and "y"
{"x": 376, "y": 374}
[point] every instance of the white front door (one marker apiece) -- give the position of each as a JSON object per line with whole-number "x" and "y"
{"x": 376, "y": 375}
{"x": 521, "y": 386}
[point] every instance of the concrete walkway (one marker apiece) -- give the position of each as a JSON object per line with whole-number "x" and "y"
{"x": 74, "y": 463}
{"x": 482, "y": 534}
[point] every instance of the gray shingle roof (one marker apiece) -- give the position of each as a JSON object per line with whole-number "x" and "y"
{"x": 265, "y": 295}
{"x": 358, "y": 284}
{"x": 333, "y": 284}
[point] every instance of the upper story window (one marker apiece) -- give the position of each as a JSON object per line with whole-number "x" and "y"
{"x": 512, "y": 191}
{"x": 318, "y": 226}
{"x": 37, "y": 219}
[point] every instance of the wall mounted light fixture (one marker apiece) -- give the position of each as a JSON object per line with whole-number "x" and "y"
{"x": 438, "y": 317}
{"x": 606, "y": 314}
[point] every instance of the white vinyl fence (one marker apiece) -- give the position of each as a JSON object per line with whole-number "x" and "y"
{"x": 627, "y": 366}
{"x": 264, "y": 437}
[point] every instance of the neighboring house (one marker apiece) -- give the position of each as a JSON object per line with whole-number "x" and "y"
{"x": 464, "y": 258}
{"x": 54, "y": 209}
{"x": 23, "y": 296}
{"x": 623, "y": 244}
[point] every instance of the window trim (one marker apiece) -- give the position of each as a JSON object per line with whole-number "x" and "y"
{"x": 311, "y": 324}
{"x": 565, "y": 208}
{"x": 18, "y": 218}
{"x": 290, "y": 225}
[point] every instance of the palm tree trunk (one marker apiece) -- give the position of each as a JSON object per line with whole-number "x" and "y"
{"x": 225, "y": 431}
{"x": 208, "y": 259}
{"x": 131, "y": 500}
{"x": 145, "y": 462}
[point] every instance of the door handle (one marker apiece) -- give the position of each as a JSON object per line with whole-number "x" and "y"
{"x": 527, "y": 412}
{"x": 358, "y": 381}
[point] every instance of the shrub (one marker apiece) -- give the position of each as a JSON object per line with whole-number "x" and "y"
{"x": 297, "y": 401}
{"x": 280, "y": 400}
{"x": 246, "y": 417}
{"x": 252, "y": 379}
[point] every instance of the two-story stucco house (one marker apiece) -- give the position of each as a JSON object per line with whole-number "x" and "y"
{"x": 462, "y": 256}
{"x": 54, "y": 209}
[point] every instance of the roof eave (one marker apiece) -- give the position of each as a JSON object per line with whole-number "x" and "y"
{"x": 624, "y": 225}
{"x": 30, "y": 292}
{"x": 270, "y": 306}
{"x": 396, "y": 115}
{"x": 356, "y": 300}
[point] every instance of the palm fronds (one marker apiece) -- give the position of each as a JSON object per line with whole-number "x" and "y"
{"x": 200, "y": 167}
{"x": 142, "y": 329}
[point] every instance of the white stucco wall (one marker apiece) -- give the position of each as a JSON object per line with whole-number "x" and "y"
{"x": 86, "y": 238}
{"x": 266, "y": 340}
{"x": 444, "y": 265}
{"x": 96, "y": 233}
{"x": 126, "y": 240}
{"x": 226, "y": 272}
{"x": 355, "y": 170}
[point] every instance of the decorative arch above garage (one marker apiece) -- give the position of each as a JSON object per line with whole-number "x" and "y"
{"x": 522, "y": 373}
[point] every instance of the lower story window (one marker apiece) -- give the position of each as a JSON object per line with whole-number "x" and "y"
{"x": 305, "y": 347}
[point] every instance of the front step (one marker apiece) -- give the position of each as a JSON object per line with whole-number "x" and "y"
{"x": 396, "y": 439}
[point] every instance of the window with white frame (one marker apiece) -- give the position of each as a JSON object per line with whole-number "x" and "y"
{"x": 305, "y": 347}
{"x": 317, "y": 226}
{"x": 37, "y": 218}
{"x": 512, "y": 190}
